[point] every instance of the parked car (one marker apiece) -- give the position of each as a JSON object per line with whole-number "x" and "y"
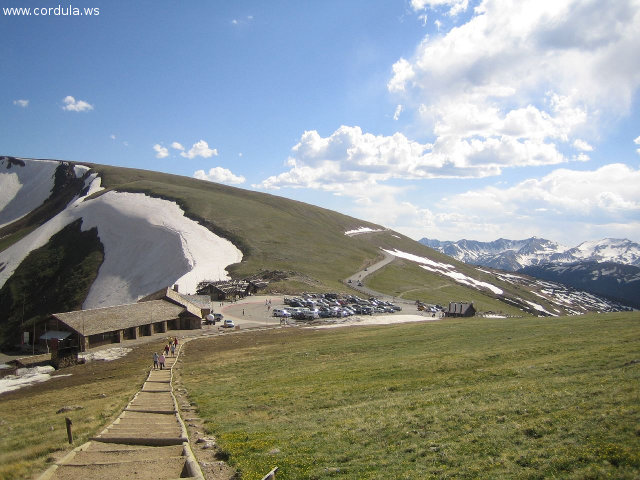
{"x": 281, "y": 312}
{"x": 228, "y": 324}
{"x": 213, "y": 318}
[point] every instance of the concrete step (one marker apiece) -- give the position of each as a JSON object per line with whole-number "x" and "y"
{"x": 147, "y": 417}
{"x": 99, "y": 447}
{"x": 172, "y": 467}
{"x": 156, "y": 387}
{"x": 152, "y": 430}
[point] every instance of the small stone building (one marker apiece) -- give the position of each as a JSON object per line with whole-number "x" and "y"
{"x": 460, "y": 309}
{"x": 99, "y": 326}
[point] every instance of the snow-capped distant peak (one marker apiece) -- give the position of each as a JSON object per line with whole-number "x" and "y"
{"x": 513, "y": 255}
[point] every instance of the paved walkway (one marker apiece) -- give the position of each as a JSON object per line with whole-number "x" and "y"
{"x": 147, "y": 441}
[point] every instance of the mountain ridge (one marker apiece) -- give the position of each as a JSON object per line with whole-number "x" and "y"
{"x": 513, "y": 255}
{"x": 609, "y": 267}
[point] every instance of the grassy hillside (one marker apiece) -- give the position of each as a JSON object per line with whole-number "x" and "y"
{"x": 304, "y": 241}
{"x": 33, "y": 433}
{"x": 525, "y": 398}
{"x": 275, "y": 233}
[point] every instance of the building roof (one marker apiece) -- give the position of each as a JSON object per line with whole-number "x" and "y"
{"x": 459, "y": 307}
{"x": 109, "y": 319}
{"x": 193, "y": 303}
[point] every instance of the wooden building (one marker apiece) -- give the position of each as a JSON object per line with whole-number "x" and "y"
{"x": 99, "y": 326}
{"x": 460, "y": 309}
{"x": 230, "y": 290}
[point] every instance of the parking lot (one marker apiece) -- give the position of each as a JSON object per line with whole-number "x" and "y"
{"x": 258, "y": 311}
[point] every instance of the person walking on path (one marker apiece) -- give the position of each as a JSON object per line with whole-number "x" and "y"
{"x": 161, "y": 360}
{"x": 173, "y": 349}
{"x": 166, "y": 350}
{"x": 155, "y": 361}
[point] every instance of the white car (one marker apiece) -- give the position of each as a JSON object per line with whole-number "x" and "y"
{"x": 228, "y": 324}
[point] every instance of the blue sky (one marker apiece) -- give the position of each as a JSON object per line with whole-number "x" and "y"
{"x": 445, "y": 119}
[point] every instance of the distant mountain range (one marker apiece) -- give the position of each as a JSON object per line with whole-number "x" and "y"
{"x": 612, "y": 280}
{"x": 608, "y": 267}
{"x": 513, "y": 255}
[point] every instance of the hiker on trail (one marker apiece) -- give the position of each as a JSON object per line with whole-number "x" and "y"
{"x": 155, "y": 361}
{"x": 166, "y": 350}
{"x": 175, "y": 342}
{"x": 161, "y": 360}
{"x": 173, "y": 349}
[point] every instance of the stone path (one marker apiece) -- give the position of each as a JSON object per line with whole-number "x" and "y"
{"x": 147, "y": 441}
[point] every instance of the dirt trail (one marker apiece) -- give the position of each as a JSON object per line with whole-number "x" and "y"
{"x": 147, "y": 441}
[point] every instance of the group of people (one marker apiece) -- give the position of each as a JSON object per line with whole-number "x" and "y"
{"x": 159, "y": 360}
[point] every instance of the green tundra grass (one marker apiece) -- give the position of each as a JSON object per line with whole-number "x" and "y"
{"x": 464, "y": 398}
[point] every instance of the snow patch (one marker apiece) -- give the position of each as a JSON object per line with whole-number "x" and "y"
{"x": 148, "y": 243}
{"x": 417, "y": 259}
{"x": 445, "y": 269}
{"x": 93, "y": 184}
{"x": 26, "y": 377}
{"x": 23, "y": 189}
{"x": 360, "y": 230}
{"x": 80, "y": 170}
{"x": 540, "y": 308}
{"x": 106, "y": 355}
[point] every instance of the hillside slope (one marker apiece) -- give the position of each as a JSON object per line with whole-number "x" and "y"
{"x": 157, "y": 229}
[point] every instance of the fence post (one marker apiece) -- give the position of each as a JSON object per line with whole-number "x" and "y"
{"x": 69, "y": 433}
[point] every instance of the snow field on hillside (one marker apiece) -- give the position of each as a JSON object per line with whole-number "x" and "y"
{"x": 25, "y": 377}
{"x": 360, "y": 230}
{"x": 149, "y": 244}
{"x": 23, "y": 189}
{"x": 445, "y": 269}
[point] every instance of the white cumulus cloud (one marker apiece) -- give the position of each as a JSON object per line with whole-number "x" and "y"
{"x": 526, "y": 72}
{"x": 21, "y": 103}
{"x": 562, "y": 201}
{"x": 402, "y": 73}
{"x": 219, "y": 175}
{"x": 73, "y": 105}
{"x": 396, "y": 114}
{"x": 177, "y": 146}
{"x": 161, "y": 152}
{"x": 349, "y": 156}
{"x": 582, "y": 145}
{"x": 455, "y": 6}
{"x": 200, "y": 149}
